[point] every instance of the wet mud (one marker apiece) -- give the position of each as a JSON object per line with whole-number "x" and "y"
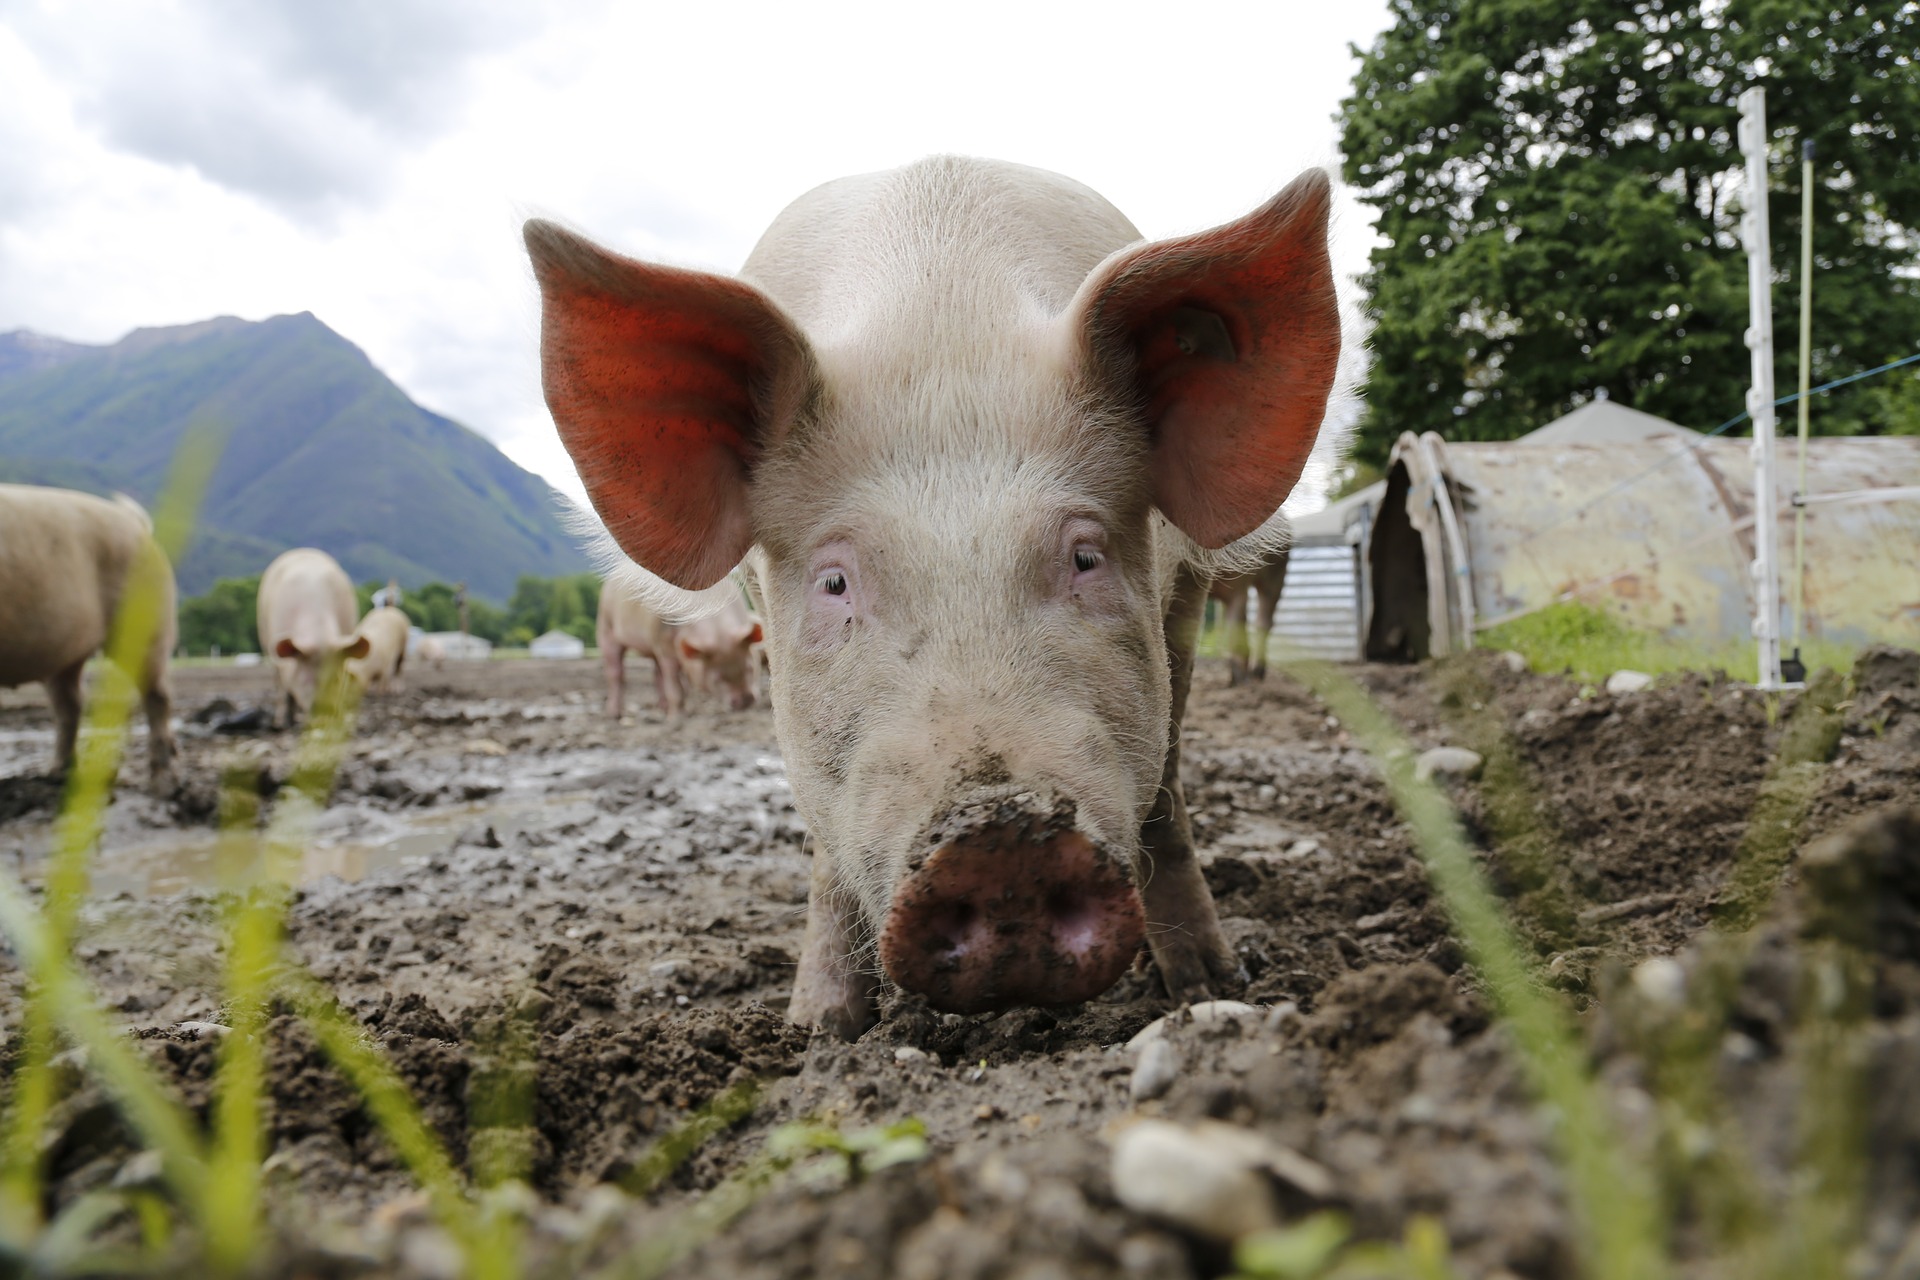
{"x": 523, "y": 901}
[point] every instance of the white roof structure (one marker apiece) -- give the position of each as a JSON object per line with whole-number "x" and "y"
{"x": 458, "y": 647}
{"x": 556, "y": 644}
{"x": 1604, "y": 422}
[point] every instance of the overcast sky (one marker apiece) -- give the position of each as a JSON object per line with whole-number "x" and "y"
{"x": 371, "y": 160}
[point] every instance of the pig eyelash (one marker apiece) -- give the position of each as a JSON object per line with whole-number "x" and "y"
{"x": 1086, "y": 559}
{"x": 832, "y": 581}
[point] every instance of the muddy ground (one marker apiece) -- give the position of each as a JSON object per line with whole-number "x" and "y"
{"x": 499, "y": 859}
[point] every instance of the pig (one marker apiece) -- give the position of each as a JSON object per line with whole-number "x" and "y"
{"x": 67, "y": 560}
{"x": 306, "y": 617}
{"x": 1266, "y": 582}
{"x": 716, "y": 652}
{"x": 982, "y": 447}
{"x": 386, "y": 630}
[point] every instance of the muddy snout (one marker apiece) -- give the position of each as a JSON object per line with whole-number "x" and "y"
{"x": 1011, "y": 905}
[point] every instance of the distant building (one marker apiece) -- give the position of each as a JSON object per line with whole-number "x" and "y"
{"x": 557, "y": 644}
{"x": 457, "y": 647}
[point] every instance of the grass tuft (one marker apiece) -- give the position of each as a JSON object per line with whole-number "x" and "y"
{"x": 1591, "y": 644}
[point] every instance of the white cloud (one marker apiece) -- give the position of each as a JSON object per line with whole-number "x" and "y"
{"x": 371, "y": 163}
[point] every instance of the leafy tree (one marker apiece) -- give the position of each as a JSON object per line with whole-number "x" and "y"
{"x": 1560, "y": 185}
{"x": 225, "y": 616}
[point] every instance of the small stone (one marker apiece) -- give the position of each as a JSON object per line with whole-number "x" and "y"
{"x": 1621, "y": 683}
{"x": 484, "y": 747}
{"x": 907, "y": 1053}
{"x": 1661, "y": 982}
{"x": 1515, "y": 661}
{"x": 1280, "y": 1016}
{"x": 1205, "y": 1011}
{"x": 986, "y": 1111}
{"x": 1193, "y": 1180}
{"x": 1447, "y": 763}
{"x": 202, "y": 1030}
{"x": 1154, "y": 1071}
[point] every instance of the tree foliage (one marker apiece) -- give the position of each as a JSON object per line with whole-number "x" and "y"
{"x": 1560, "y": 185}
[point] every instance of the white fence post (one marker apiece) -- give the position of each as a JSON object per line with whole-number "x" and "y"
{"x": 1766, "y": 536}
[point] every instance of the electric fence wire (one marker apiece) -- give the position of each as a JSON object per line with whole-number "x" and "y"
{"x": 1726, "y": 426}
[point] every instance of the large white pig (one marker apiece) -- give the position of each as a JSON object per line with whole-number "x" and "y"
{"x": 66, "y": 560}
{"x": 983, "y": 443}
{"x": 385, "y": 630}
{"x": 306, "y": 617}
{"x": 715, "y": 653}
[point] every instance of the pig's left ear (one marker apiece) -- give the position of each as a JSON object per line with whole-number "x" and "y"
{"x": 754, "y": 634}
{"x": 666, "y": 385}
{"x": 1229, "y": 340}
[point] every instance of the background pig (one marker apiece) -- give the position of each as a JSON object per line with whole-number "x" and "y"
{"x": 982, "y": 441}
{"x": 306, "y": 622}
{"x": 1230, "y": 589}
{"x": 385, "y": 630}
{"x": 714, "y": 653}
{"x": 65, "y": 561}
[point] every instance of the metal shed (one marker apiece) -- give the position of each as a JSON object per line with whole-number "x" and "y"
{"x": 1323, "y": 606}
{"x": 1639, "y": 516}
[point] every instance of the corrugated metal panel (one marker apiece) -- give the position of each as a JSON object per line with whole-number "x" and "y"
{"x": 1320, "y": 607}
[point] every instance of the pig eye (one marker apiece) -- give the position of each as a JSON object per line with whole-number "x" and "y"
{"x": 833, "y": 582}
{"x": 1085, "y": 559}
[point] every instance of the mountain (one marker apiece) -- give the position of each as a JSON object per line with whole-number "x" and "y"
{"x": 320, "y": 449}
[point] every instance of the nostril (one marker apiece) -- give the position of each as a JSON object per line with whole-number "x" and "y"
{"x": 951, "y": 928}
{"x": 1075, "y": 920}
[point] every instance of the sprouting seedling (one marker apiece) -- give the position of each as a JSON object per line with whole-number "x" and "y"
{"x": 862, "y": 1152}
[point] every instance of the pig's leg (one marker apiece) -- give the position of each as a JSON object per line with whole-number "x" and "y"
{"x": 614, "y": 658}
{"x": 158, "y": 700}
{"x": 1268, "y": 599}
{"x": 836, "y": 988}
{"x": 63, "y": 691}
{"x": 1182, "y": 927}
{"x": 667, "y": 679}
{"x": 1234, "y": 620}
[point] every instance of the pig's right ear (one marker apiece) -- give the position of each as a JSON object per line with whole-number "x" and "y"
{"x": 666, "y": 386}
{"x": 286, "y": 649}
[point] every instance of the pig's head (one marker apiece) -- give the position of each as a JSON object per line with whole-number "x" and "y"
{"x": 964, "y": 552}
{"x": 315, "y": 662}
{"x": 722, "y": 652}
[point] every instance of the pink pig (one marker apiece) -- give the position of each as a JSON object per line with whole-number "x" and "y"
{"x": 981, "y": 446}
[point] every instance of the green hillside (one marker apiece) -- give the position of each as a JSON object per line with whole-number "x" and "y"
{"x": 321, "y": 449}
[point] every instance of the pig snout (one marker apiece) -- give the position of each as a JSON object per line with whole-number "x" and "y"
{"x": 1013, "y": 905}
{"x": 740, "y": 699}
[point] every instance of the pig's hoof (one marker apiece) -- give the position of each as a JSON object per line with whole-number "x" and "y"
{"x": 847, "y": 1016}
{"x": 1018, "y": 908}
{"x": 1193, "y": 971}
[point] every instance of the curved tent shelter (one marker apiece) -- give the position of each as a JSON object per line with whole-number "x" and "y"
{"x": 1646, "y": 519}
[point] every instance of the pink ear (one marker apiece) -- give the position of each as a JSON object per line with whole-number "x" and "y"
{"x": 359, "y": 647}
{"x": 665, "y": 385}
{"x": 286, "y": 649}
{"x": 688, "y": 651}
{"x": 1229, "y": 339}
{"x": 754, "y": 634}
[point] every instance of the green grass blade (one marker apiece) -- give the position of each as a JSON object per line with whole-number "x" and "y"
{"x": 255, "y": 938}
{"x": 143, "y": 608}
{"x": 1622, "y": 1230}
{"x": 161, "y": 1122}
